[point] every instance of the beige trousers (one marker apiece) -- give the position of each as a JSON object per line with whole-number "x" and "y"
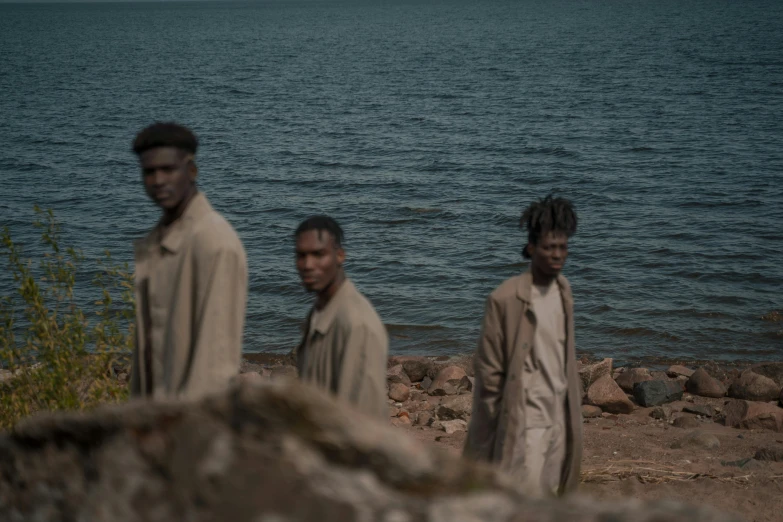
{"x": 545, "y": 451}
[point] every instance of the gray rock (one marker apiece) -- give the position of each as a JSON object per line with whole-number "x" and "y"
{"x": 746, "y": 463}
{"x": 771, "y": 370}
{"x": 686, "y": 422}
{"x": 699, "y": 439}
{"x": 426, "y": 383}
{"x": 631, "y": 377}
{"x": 415, "y": 366}
{"x": 703, "y": 384}
{"x": 453, "y": 426}
{"x": 397, "y": 374}
{"x": 279, "y": 450}
{"x": 655, "y": 393}
{"x": 449, "y": 381}
{"x": 699, "y": 409}
{"x": 751, "y": 386}
{"x": 661, "y": 412}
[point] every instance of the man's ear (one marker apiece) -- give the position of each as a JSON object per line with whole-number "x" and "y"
{"x": 530, "y": 249}
{"x": 192, "y": 167}
{"x": 340, "y": 256}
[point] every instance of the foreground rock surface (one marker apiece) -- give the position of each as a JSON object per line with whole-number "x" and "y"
{"x": 269, "y": 452}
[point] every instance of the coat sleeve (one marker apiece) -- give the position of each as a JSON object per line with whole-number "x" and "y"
{"x": 218, "y": 319}
{"x": 362, "y": 376}
{"x": 490, "y": 371}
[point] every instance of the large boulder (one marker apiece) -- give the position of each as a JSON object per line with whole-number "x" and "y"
{"x": 607, "y": 395}
{"x": 771, "y": 370}
{"x": 751, "y": 386}
{"x": 592, "y": 372}
{"x": 655, "y": 393}
{"x": 415, "y": 366}
{"x": 752, "y": 415}
{"x": 399, "y": 392}
{"x": 631, "y": 376}
{"x": 703, "y": 384}
{"x": 450, "y": 380}
{"x": 274, "y": 451}
{"x": 456, "y": 407}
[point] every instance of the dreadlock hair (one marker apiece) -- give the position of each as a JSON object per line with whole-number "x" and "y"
{"x": 166, "y": 134}
{"x": 320, "y": 223}
{"x": 546, "y": 215}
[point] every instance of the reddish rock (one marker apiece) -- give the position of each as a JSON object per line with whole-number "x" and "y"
{"x": 448, "y": 381}
{"x": 703, "y": 384}
{"x": 415, "y": 366}
{"x": 397, "y": 374}
{"x": 590, "y": 412}
{"x": 751, "y": 386}
{"x": 627, "y": 379}
{"x": 607, "y": 395}
{"x": 686, "y": 421}
{"x": 677, "y": 371}
{"x": 453, "y": 426}
{"x": 393, "y": 411}
{"x": 424, "y": 419}
{"x": 771, "y": 370}
{"x": 592, "y": 372}
{"x": 403, "y": 421}
{"x": 753, "y": 415}
{"x": 399, "y": 392}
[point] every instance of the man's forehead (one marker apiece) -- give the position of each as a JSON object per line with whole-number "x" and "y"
{"x": 551, "y": 236}
{"x": 317, "y": 238}
{"x": 161, "y": 155}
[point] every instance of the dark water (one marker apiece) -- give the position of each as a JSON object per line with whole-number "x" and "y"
{"x": 425, "y": 128}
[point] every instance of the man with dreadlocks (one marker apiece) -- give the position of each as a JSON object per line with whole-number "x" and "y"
{"x": 527, "y": 395}
{"x": 344, "y": 344}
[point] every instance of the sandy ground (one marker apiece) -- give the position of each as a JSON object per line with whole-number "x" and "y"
{"x": 632, "y": 456}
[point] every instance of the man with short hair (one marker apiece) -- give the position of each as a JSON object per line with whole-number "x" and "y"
{"x": 191, "y": 278}
{"x": 527, "y": 394}
{"x": 345, "y": 345}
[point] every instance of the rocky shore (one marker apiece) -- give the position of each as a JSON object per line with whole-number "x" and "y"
{"x": 709, "y": 432}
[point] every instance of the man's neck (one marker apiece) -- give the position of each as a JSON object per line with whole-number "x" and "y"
{"x": 171, "y": 215}
{"x": 326, "y": 295}
{"x": 540, "y": 278}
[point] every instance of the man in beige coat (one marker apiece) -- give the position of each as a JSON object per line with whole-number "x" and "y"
{"x": 344, "y": 345}
{"x": 190, "y": 278}
{"x": 527, "y": 395}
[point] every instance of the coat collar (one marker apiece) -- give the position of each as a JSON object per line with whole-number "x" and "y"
{"x": 525, "y": 285}
{"x": 198, "y": 207}
{"x": 326, "y": 316}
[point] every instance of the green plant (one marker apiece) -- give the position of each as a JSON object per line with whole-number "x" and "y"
{"x": 58, "y": 357}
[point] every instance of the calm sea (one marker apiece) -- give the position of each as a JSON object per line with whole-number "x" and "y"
{"x": 425, "y": 127}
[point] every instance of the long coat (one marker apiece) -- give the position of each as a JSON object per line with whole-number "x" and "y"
{"x": 191, "y": 293}
{"x": 497, "y": 426}
{"x": 345, "y": 352}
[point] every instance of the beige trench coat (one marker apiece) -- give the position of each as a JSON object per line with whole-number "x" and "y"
{"x": 191, "y": 293}
{"x": 506, "y": 340}
{"x": 345, "y": 352}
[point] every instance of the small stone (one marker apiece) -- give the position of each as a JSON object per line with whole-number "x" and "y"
{"x": 699, "y": 409}
{"x": 751, "y": 386}
{"x": 685, "y": 422}
{"x": 699, "y": 439}
{"x": 403, "y": 421}
{"x": 661, "y": 412}
{"x": 397, "y": 374}
{"x": 393, "y": 411}
{"x": 703, "y": 384}
{"x": 773, "y": 454}
{"x": 746, "y": 463}
{"x": 457, "y": 407}
{"x": 426, "y": 383}
{"x": 590, "y": 412}
{"x": 399, "y": 392}
{"x": 631, "y": 377}
{"x": 448, "y": 381}
{"x": 607, "y": 395}
{"x": 679, "y": 371}
{"x": 424, "y": 419}
{"x": 453, "y": 426}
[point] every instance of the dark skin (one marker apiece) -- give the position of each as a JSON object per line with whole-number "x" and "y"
{"x": 319, "y": 262}
{"x": 169, "y": 176}
{"x": 547, "y": 257}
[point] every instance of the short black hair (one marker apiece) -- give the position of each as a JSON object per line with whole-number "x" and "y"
{"x": 165, "y": 134}
{"x": 550, "y": 214}
{"x": 322, "y": 223}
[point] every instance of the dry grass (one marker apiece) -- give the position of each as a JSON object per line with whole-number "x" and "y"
{"x": 648, "y": 472}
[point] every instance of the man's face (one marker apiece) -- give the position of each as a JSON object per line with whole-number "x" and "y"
{"x": 168, "y": 175}
{"x": 549, "y": 255}
{"x": 318, "y": 260}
